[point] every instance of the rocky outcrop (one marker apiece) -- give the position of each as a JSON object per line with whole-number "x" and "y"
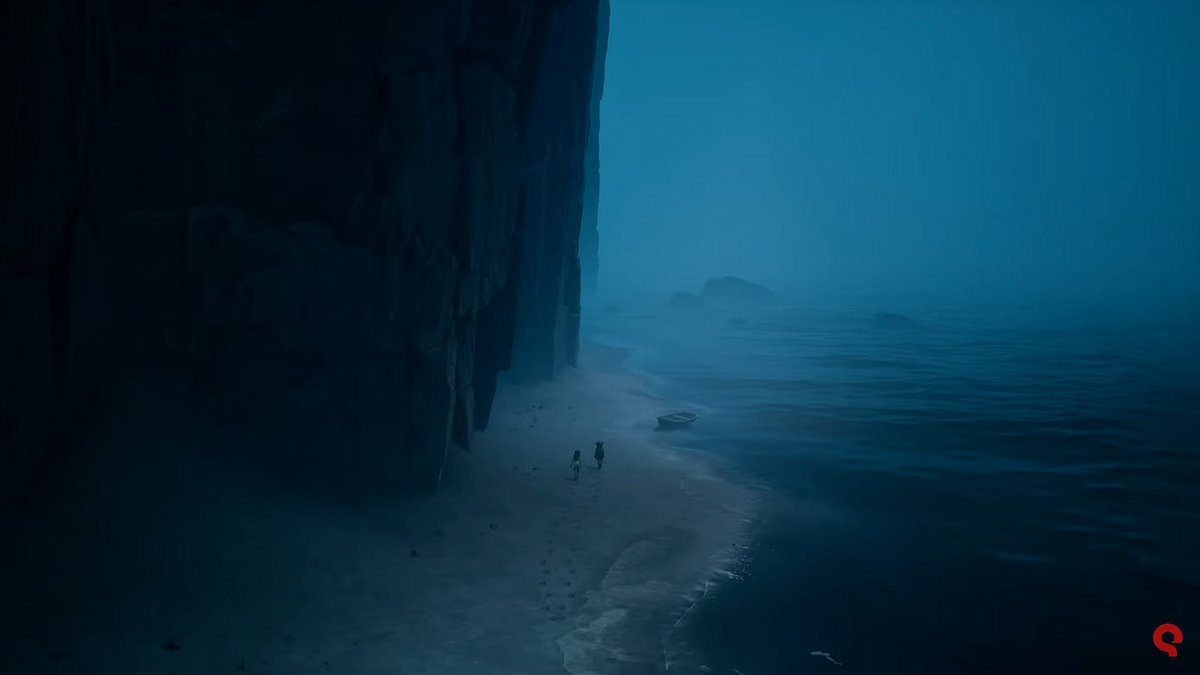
{"x": 737, "y": 291}
{"x": 327, "y": 209}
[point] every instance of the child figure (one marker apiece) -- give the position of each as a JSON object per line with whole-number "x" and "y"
{"x": 576, "y": 465}
{"x": 599, "y": 454}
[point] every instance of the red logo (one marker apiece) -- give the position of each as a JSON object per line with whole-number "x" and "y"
{"x": 1176, "y": 638}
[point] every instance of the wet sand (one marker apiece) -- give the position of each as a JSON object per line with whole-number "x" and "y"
{"x": 512, "y": 568}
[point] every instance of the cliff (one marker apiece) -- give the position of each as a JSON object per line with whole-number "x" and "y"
{"x": 345, "y": 219}
{"x": 589, "y": 240}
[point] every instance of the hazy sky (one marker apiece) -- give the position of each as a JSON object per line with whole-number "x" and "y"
{"x": 975, "y": 146}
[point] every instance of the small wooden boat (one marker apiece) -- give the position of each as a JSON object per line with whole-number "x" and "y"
{"x": 676, "y": 420}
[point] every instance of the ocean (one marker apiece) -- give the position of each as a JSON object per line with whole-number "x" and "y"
{"x": 986, "y": 491}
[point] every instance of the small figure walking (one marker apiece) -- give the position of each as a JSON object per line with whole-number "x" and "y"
{"x": 576, "y": 465}
{"x": 599, "y": 455}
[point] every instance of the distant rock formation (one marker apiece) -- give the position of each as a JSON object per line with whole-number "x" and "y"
{"x": 886, "y": 320}
{"x": 689, "y": 301}
{"x": 733, "y": 290}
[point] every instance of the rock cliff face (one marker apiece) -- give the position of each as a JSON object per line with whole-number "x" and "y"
{"x": 589, "y": 240}
{"x": 346, "y": 218}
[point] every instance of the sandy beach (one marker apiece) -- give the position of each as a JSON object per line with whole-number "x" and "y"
{"x": 513, "y": 567}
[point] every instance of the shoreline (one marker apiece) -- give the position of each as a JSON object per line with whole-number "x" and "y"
{"x": 722, "y": 503}
{"x": 511, "y": 568}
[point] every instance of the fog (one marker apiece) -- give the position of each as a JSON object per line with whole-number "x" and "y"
{"x": 1011, "y": 150}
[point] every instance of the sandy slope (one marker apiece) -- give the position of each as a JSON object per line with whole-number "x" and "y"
{"x": 514, "y": 568}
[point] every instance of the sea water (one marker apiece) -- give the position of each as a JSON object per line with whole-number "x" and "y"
{"x": 986, "y": 491}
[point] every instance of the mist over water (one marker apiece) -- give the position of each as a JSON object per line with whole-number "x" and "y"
{"x": 1006, "y": 472}
{"x": 966, "y": 150}
{"x": 1014, "y": 469}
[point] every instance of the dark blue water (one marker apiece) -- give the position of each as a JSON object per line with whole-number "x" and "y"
{"x": 992, "y": 491}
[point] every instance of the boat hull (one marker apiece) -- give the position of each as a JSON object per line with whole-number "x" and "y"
{"x": 677, "y": 420}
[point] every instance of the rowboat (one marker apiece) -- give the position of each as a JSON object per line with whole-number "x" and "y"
{"x": 676, "y": 420}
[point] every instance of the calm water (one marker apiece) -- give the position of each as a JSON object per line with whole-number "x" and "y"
{"x": 1002, "y": 491}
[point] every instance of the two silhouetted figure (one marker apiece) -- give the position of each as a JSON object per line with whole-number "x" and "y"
{"x": 577, "y": 464}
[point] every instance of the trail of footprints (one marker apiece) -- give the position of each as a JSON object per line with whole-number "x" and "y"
{"x": 560, "y": 590}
